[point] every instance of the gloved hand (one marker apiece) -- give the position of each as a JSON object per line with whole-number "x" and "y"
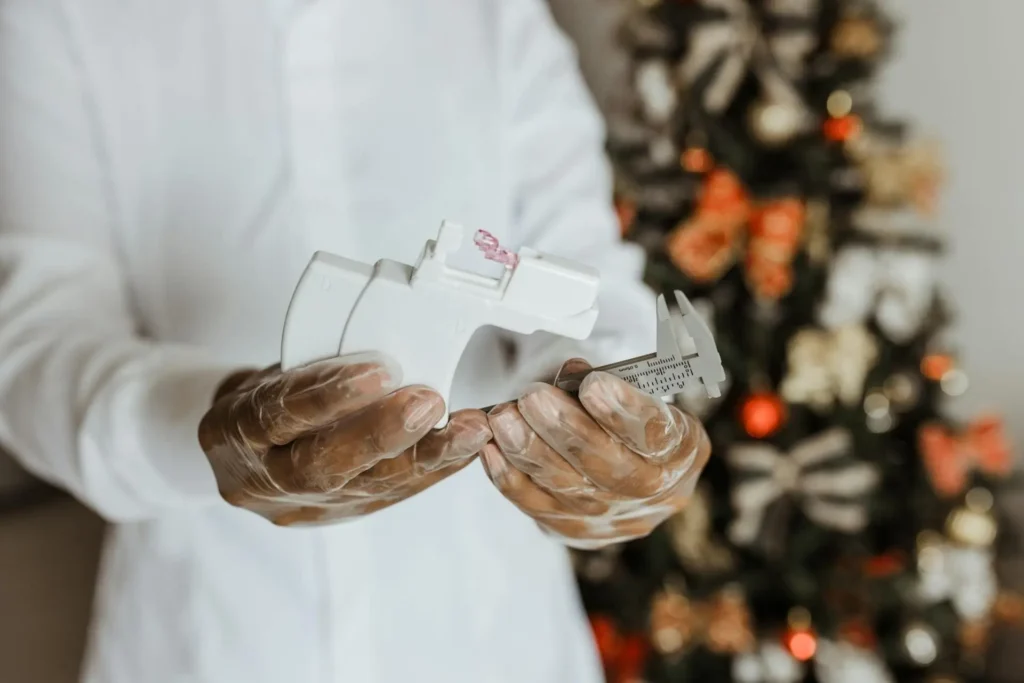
{"x": 603, "y": 469}
{"x": 333, "y": 440}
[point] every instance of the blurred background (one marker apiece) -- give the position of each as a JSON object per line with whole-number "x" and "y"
{"x": 954, "y": 76}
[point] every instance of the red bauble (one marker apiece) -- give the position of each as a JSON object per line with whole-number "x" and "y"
{"x": 842, "y": 128}
{"x": 762, "y": 414}
{"x": 632, "y": 660}
{"x": 801, "y": 643}
{"x": 607, "y": 638}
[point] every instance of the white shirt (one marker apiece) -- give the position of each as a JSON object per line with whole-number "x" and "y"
{"x": 167, "y": 167}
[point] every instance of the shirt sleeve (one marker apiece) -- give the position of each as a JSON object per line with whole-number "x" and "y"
{"x": 85, "y": 402}
{"x": 562, "y": 189}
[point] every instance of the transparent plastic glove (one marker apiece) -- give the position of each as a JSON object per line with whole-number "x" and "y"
{"x": 603, "y": 469}
{"x": 333, "y": 440}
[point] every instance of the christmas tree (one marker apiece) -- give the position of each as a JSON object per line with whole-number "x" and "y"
{"x": 845, "y": 529}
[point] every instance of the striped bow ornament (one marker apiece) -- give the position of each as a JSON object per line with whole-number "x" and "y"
{"x": 735, "y": 44}
{"x": 818, "y": 473}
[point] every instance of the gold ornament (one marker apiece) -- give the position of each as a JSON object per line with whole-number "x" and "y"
{"x": 903, "y": 390}
{"x": 920, "y": 643}
{"x": 775, "y": 123}
{"x": 840, "y": 103}
{"x": 897, "y": 175}
{"x": 856, "y": 37}
{"x": 971, "y": 527}
{"x": 721, "y": 624}
{"x": 954, "y": 382}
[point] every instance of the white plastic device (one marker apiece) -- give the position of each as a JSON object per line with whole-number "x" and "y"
{"x": 423, "y": 316}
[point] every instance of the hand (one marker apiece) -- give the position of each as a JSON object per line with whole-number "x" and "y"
{"x": 333, "y": 440}
{"x": 603, "y": 469}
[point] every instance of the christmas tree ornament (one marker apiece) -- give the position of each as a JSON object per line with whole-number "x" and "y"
{"x": 696, "y": 160}
{"x": 775, "y": 234}
{"x": 903, "y": 390}
{"x": 973, "y": 523}
{"x": 733, "y": 43}
{"x": 880, "y": 418}
{"x": 920, "y": 643}
{"x": 707, "y": 244}
{"x": 842, "y": 128}
{"x": 856, "y": 37}
{"x": 896, "y": 285}
{"x": 801, "y": 643}
{"x": 769, "y": 663}
{"x": 955, "y": 382}
{"x": 962, "y": 575}
{"x": 662, "y": 151}
{"x": 1009, "y": 607}
{"x": 656, "y": 89}
{"x": 884, "y": 565}
{"x": 597, "y": 566}
{"x": 692, "y": 537}
{"x": 818, "y": 472}
{"x": 846, "y": 663}
{"x": 910, "y": 174}
{"x": 839, "y": 103}
{"x": 776, "y": 123}
{"x": 762, "y": 413}
{"x": 625, "y": 210}
{"x": 623, "y": 656}
{"x": 934, "y": 366}
{"x": 672, "y": 622}
{"x": 950, "y": 458}
{"x": 720, "y": 624}
{"x": 828, "y": 366}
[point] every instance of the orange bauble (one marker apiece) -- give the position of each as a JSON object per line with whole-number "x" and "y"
{"x": 842, "y": 128}
{"x": 801, "y": 643}
{"x": 607, "y": 638}
{"x": 762, "y": 414}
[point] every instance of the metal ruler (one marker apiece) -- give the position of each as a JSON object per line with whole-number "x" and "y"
{"x": 686, "y": 354}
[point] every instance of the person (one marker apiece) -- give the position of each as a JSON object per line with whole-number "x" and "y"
{"x": 168, "y": 168}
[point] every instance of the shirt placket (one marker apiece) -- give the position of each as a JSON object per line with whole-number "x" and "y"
{"x": 312, "y": 120}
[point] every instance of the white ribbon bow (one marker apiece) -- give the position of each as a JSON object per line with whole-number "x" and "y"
{"x": 777, "y": 59}
{"x": 826, "y": 365}
{"x": 770, "y": 663}
{"x": 847, "y": 663}
{"x": 963, "y": 575}
{"x": 896, "y": 284}
{"x": 829, "y": 495}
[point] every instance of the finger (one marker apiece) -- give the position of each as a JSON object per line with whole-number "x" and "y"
{"x": 571, "y": 367}
{"x": 461, "y": 439}
{"x": 643, "y": 422}
{"x": 529, "y": 454}
{"x": 348, "y": 507}
{"x": 563, "y": 423}
{"x": 518, "y": 488}
{"x": 290, "y": 404}
{"x": 331, "y": 457}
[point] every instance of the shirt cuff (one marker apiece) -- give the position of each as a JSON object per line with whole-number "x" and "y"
{"x": 146, "y": 428}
